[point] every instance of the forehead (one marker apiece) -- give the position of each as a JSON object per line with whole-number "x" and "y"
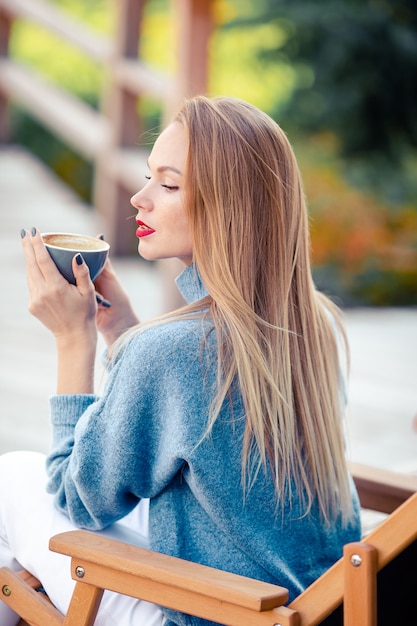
{"x": 171, "y": 148}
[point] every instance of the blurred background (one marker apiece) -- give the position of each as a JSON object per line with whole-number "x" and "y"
{"x": 86, "y": 86}
{"x": 340, "y": 76}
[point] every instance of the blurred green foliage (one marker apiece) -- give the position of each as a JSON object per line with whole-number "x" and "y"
{"x": 355, "y": 68}
{"x": 349, "y": 106}
{"x": 364, "y": 249}
{"x": 318, "y": 67}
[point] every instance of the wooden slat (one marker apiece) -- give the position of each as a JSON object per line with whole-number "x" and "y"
{"x": 61, "y": 23}
{"x": 128, "y": 166}
{"x": 30, "y": 580}
{"x": 199, "y": 600}
{"x": 83, "y": 128}
{"x": 382, "y": 490}
{"x": 172, "y": 572}
{"x": 137, "y": 77}
{"x": 30, "y": 605}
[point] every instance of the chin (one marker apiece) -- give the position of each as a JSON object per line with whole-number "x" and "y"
{"x": 146, "y": 254}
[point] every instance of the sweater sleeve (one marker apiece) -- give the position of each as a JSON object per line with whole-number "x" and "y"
{"x": 109, "y": 452}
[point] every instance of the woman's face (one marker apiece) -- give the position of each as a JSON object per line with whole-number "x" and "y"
{"x": 163, "y": 229}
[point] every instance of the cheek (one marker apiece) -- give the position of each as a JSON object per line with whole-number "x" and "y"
{"x": 185, "y": 229}
{"x": 182, "y": 233}
{"x": 181, "y": 218}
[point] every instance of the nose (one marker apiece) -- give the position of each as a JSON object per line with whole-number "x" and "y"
{"x": 140, "y": 201}
{"x": 135, "y": 200}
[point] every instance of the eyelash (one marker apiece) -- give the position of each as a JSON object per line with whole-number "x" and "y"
{"x": 168, "y": 187}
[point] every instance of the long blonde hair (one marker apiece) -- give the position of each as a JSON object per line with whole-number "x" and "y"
{"x": 249, "y": 225}
{"x": 275, "y": 331}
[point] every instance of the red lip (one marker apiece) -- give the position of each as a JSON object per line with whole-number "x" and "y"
{"x": 143, "y": 229}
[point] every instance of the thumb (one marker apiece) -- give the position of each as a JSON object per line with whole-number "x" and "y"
{"x": 81, "y": 271}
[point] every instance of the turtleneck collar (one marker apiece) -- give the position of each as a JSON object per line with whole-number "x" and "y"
{"x": 190, "y": 284}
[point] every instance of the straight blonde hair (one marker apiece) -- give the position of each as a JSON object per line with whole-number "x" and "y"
{"x": 251, "y": 244}
{"x": 275, "y": 331}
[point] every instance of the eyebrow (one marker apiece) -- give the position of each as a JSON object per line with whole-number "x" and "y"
{"x": 164, "y": 168}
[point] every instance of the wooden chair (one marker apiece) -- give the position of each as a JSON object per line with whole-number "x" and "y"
{"x": 375, "y": 582}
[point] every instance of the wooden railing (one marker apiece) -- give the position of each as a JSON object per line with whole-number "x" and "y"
{"x": 107, "y": 137}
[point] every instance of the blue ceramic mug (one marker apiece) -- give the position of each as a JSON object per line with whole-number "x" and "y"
{"x": 62, "y": 248}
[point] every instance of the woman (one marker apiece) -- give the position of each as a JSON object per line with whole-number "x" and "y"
{"x": 219, "y": 435}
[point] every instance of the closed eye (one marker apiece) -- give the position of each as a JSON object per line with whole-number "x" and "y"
{"x": 169, "y": 187}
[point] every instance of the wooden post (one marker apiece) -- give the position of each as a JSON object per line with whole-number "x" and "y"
{"x": 5, "y": 28}
{"x": 85, "y": 603}
{"x": 122, "y": 104}
{"x": 111, "y": 197}
{"x": 194, "y": 25}
{"x": 360, "y": 571}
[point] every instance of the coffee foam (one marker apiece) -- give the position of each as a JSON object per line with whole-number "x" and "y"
{"x": 74, "y": 242}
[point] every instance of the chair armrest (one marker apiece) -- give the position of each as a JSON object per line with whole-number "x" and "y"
{"x": 171, "y": 575}
{"x": 380, "y": 489}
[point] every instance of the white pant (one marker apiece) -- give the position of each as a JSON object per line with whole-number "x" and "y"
{"x": 28, "y": 518}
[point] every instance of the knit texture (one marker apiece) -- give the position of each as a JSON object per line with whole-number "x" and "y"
{"x": 144, "y": 438}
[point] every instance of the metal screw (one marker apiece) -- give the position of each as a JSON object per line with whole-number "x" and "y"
{"x": 356, "y": 560}
{"x": 6, "y": 590}
{"x": 80, "y": 571}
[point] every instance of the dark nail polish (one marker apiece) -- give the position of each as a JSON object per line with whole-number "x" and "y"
{"x": 102, "y": 301}
{"x": 79, "y": 259}
{"x": 33, "y": 231}
{"x": 101, "y": 237}
{"x": 23, "y": 233}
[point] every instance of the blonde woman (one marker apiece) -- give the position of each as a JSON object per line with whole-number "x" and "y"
{"x": 219, "y": 435}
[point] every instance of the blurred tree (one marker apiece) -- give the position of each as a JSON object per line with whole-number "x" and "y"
{"x": 356, "y": 63}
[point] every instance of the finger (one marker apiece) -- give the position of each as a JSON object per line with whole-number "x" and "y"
{"x": 102, "y": 302}
{"x": 81, "y": 274}
{"x": 45, "y": 264}
{"x": 33, "y": 272}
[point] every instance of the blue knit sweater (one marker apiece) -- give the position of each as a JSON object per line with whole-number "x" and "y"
{"x": 143, "y": 439}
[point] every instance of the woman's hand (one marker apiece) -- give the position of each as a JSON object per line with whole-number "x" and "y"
{"x": 113, "y": 320}
{"x": 68, "y": 311}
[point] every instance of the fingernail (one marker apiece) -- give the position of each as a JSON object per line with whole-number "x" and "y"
{"x": 102, "y": 301}
{"x": 101, "y": 237}
{"x": 23, "y": 233}
{"x": 79, "y": 259}
{"x": 33, "y": 231}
